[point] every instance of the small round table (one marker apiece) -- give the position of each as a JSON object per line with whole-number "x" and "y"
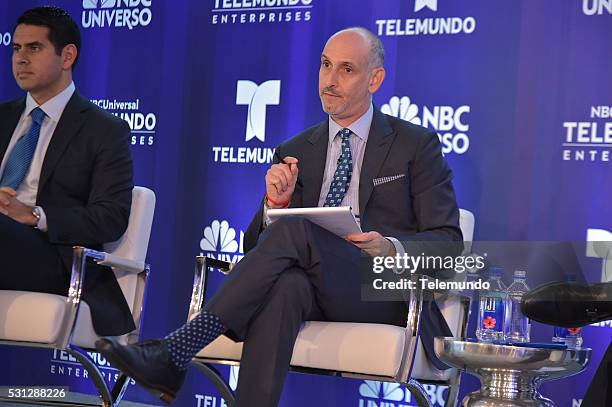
{"x": 509, "y": 375}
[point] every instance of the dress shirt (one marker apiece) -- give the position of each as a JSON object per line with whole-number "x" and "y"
{"x": 53, "y": 109}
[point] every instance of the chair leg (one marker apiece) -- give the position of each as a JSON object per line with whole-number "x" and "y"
{"x": 94, "y": 374}
{"x": 213, "y": 374}
{"x": 452, "y": 395}
{"x": 119, "y": 388}
{"x": 418, "y": 392}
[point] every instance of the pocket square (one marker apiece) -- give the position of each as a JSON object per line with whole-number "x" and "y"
{"x": 384, "y": 180}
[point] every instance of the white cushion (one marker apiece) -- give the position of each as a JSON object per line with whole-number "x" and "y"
{"x": 36, "y": 317}
{"x": 343, "y": 346}
{"x": 351, "y": 347}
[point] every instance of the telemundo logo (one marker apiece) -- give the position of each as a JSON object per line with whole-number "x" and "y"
{"x": 449, "y": 121}
{"x": 257, "y": 98}
{"x": 5, "y": 39}
{"x": 426, "y": 26}
{"x": 116, "y": 13}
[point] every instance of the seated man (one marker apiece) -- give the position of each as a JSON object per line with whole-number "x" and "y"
{"x": 65, "y": 174}
{"x": 393, "y": 175}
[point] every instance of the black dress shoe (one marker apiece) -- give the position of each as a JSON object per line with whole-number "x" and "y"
{"x": 569, "y": 304}
{"x": 148, "y": 363}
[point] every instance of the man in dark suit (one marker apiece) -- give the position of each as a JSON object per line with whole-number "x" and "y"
{"x": 65, "y": 174}
{"x": 393, "y": 175}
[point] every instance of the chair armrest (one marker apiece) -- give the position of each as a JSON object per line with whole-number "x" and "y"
{"x": 79, "y": 262}
{"x": 198, "y": 293}
{"x": 122, "y": 263}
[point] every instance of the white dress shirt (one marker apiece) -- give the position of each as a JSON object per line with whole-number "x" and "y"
{"x": 53, "y": 109}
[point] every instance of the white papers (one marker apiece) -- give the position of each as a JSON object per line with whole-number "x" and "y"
{"x": 338, "y": 220}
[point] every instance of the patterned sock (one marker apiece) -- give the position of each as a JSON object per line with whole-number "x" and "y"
{"x": 184, "y": 343}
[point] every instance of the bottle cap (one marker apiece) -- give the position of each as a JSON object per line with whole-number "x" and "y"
{"x": 495, "y": 271}
{"x": 520, "y": 273}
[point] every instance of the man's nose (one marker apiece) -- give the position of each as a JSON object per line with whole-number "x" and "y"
{"x": 20, "y": 57}
{"x": 331, "y": 79}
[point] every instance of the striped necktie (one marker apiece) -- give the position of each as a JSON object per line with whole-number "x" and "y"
{"x": 18, "y": 162}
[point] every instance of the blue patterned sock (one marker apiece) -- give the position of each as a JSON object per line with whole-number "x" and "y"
{"x": 184, "y": 343}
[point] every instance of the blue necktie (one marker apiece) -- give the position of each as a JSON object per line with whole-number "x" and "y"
{"x": 18, "y": 162}
{"x": 344, "y": 171}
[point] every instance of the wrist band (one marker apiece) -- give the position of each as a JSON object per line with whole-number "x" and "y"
{"x": 273, "y": 202}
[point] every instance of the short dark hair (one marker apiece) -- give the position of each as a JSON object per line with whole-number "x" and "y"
{"x": 62, "y": 28}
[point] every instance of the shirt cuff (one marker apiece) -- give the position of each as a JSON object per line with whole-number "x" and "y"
{"x": 266, "y": 219}
{"x": 42, "y": 222}
{"x": 399, "y": 250}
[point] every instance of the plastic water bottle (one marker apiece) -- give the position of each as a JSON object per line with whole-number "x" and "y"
{"x": 571, "y": 337}
{"x": 491, "y": 311}
{"x": 518, "y": 326}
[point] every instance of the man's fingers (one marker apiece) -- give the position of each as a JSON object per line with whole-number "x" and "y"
{"x": 9, "y": 191}
{"x": 359, "y": 237}
{"x": 276, "y": 181}
{"x": 290, "y": 160}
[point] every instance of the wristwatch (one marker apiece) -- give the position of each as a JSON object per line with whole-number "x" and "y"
{"x": 36, "y": 214}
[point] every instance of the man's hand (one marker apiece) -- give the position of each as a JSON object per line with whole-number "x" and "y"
{"x": 15, "y": 209}
{"x": 280, "y": 181}
{"x": 372, "y": 243}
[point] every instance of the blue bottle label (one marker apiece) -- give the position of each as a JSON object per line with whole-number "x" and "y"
{"x": 492, "y": 314}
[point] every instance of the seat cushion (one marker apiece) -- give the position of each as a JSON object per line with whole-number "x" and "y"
{"x": 343, "y": 346}
{"x": 37, "y": 317}
{"x": 352, "y": 347}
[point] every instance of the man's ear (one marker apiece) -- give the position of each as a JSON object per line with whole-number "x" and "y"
{"x": 69, "y": 54}
{"x": 376, "y": 79}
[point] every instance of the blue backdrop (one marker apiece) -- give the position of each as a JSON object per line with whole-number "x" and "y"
{"x": 519, "y": 91}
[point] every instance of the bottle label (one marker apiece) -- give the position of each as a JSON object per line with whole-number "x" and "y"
{"x": 567, "y": 332}
{"x": 492, "y": 313}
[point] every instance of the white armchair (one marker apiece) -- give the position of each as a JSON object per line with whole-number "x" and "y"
{"x": 353, "y": 350}
{"x": 64, "y": 322}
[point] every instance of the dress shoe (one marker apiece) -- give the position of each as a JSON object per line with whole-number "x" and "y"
{"x": 569, "y": 304}
{"x": 149, "y": 363}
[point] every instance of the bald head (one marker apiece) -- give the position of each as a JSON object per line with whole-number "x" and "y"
{"x": 375, "y": 49}
{"x": 351, "y": 71}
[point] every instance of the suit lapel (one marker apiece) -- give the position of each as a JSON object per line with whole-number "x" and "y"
{"x": 71, "y": 121}
{"x": 8, "y": 122}
{"x": 313, "y": 164}
{"x": 377, "y": 148}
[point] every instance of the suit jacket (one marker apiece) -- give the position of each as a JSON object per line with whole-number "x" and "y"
{"x": 417, "y": 206}
{"x": 85, "y": 189}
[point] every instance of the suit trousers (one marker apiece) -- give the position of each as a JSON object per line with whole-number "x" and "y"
{"x": 298, "y": 271}
{"x": 599, "y": 393}
{"x": 29, "y": 261}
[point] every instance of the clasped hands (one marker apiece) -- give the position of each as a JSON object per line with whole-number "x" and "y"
{"x": 15, "y": 209}
{"x": 281, "y": 179}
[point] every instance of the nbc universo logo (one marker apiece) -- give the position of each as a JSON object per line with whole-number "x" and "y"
{"x": 257, "y": 97}
{"x": 447, "y": 120}
{"x": 402, "y": 108}
{"x": 220, "y": 237}
{"x": 93, "y": 4}
{"x": 382, "y": 390}
{"x": 420, "y": 4}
